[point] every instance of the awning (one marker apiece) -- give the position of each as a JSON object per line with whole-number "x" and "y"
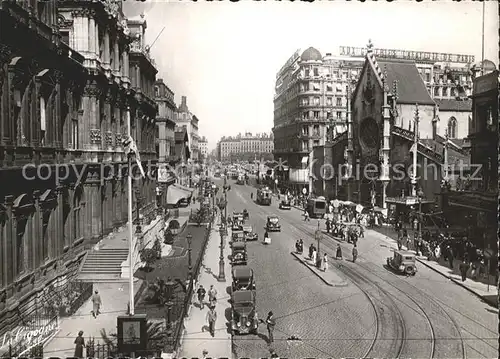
{"x": 184, "y": 188}
{"x": 175, "y": 193}
{"x": 305, "y": 159}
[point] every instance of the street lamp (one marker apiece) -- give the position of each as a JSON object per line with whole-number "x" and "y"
{"x": 420, "y": 194}
{"x": 222, "y": 276}
{"x": 318, "y": 237}
{"x": 189, "y": 238}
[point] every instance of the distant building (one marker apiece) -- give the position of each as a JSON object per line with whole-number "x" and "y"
{"x": 165, "y": 122}
{"x": 203, "y": 147}
{"x": 310, "y": 104}
{"x": 245, "y": 147}
{"x": 184, "y": 117}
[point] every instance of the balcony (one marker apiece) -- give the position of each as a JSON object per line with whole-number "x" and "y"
{"x": 478, "y": 200}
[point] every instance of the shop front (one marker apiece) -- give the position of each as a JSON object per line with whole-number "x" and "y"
{"x": 476, "y": 212}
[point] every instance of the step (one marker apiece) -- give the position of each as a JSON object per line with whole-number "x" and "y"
{"x": 101, "y": 271}
{"x": 119, "y": 259}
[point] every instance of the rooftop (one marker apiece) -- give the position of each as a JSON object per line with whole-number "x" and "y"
{"x": 410, "y": 86}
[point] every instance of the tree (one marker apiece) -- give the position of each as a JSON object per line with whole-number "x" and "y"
{"x": 148, "y": 256}
{"x": 168, "y": 236}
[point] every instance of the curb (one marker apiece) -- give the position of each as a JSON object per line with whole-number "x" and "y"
{"x": 341, "y": 284}
{"x": 483, "y": 298}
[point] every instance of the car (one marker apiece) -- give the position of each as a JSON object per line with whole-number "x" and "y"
{"x": 237, "y": 236}
{"x": 285, "y": 205}
{"x": 243, "y": 278}
{"x": 250, "y": 235}
{"x": 239, "y": 254}
{"x": 273, "y": 224}
{"x": 244, "y": 318}
{"x": 403, "y": 262}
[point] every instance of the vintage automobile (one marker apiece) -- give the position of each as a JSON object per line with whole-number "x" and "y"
{"x": 285, "y": 205}
{"x": 238, "y": 236}
{"x": 273, "y": 224}
{"x": 403, "y": 262}
{"x": 239, "y": 254}
{"x": 244, "y": 316}
{"x": 250, "y": 235}
{"x": 243, "y": 278}
{"x": 238, "y": 220}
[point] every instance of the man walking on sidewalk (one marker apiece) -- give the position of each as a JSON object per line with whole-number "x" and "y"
{"x": 270, "y": 326}
{"x": 212, "y": 296}
{"x": 211, "y": 318}
{"x": 96, "y": 304}
{"x": 201, "y": 296}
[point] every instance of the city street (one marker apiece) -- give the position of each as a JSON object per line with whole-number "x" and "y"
{"x": 379, "y": 314}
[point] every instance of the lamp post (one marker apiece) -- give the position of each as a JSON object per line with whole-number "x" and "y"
{"x": 318, "y": 237}
{"x": 189, "y": 238}
{"x": 222, "y": 275}
{"x": 138, "y": 227}
{"x": 170, "y": 293}
{"x": 420, "y": 194}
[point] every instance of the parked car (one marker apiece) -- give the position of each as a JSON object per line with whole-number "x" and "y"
{"x": 273, "y": 224}
{"x": 237, "y": 236}
{"x": 243, "y": 278}
{"x": 403, "y": 262}
{"x": 244, "y": 316}
{"x": 285, "y": 205}
{"x": 239, "y": 253}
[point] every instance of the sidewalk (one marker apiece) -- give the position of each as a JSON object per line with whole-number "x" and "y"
{"x": 478, "y": 288}
{"x": 196, "y": 337}
{"x": 115, "y": 297}
{"x": 330, "y": 277}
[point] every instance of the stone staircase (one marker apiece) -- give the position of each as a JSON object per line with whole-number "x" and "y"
{"x": 103, "y": 264}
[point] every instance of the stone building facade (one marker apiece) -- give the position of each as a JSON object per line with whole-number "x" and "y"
{"x": 186, "y": 118}
{"x": 247, "y": 147}
{"x": 68, "y": 83}
{"x": 310, "y": 105}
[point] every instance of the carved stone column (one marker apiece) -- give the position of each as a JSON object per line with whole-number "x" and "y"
{"x": 116, "y": 56}
{"x": 69, "y": 234}
{"x": 5, "y": 54}
{"x": 106, "y": 60}
{"x": 37, "y": 242}
{"x": 59, "y": 224}
{"x": 11, "y": 237}
{"x": 92, "y": 132}
{"x": 92, "y": 36}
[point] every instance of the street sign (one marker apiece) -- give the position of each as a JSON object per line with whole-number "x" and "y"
{"x": 488, "y": 253}
{"x": 163, "y": 174}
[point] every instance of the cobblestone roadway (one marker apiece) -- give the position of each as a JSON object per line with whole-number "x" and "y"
{"x": 332, "y": 322}
{"x": 443, "y": 300}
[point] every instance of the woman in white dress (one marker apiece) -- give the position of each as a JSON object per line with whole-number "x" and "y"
{"x": 313, "y": 257}
{"x": 325, "y": 262}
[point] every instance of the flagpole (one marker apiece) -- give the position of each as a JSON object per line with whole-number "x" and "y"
{"x": 130, "y": 225}
{"x": 482, "y": 42}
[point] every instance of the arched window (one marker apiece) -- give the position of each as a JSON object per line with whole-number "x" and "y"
{"x": 452, "y": 127}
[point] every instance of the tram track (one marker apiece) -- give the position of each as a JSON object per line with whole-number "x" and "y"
{"x": 385, "y": 344}
{"x": 444, "y": 338}
{"x": 441, "y": 339}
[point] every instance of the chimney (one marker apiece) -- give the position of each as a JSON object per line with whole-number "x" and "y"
{"x": 184, "y": 101}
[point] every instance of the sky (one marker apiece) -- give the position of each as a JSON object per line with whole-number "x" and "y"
{"x": 224, "y": 56}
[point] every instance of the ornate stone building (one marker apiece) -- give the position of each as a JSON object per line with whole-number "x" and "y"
{"x": 69, "y": 79}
